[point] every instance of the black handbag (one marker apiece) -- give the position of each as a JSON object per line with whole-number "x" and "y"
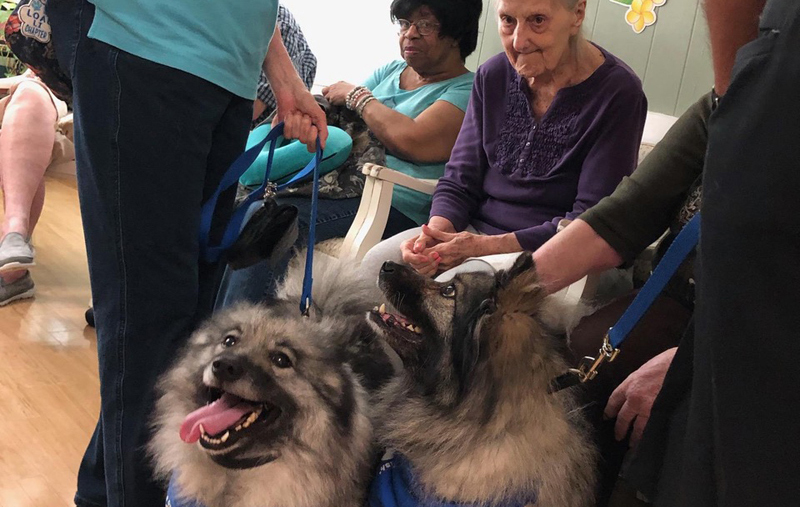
{"x": 268, "y": 235}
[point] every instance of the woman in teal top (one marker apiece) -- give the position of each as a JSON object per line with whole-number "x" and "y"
{"x": 163, "y": 98}
{"x": 444, "y": 101}
{"x": 413, "y": 107}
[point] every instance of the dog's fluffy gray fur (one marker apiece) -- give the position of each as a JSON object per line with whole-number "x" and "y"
{"x": 319, "y": 451}
{"x": 472, "y": 413}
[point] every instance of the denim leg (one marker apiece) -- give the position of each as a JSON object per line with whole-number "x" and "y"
{"x": 146, "y": 156}
{"x": 258, "y": 283}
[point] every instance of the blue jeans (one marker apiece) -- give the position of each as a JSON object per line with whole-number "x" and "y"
{"x": 334, "y": 217}
{"x": 152, "y": 143}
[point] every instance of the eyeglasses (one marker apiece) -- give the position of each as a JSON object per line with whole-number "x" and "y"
{"x": 424, "y": 26}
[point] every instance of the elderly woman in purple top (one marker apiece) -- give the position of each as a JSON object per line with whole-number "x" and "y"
{"x": 552, "y": 127}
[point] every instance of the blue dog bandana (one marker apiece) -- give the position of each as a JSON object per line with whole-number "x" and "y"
{"x": 394, "y": 486}
{"x": 175, "y": 500}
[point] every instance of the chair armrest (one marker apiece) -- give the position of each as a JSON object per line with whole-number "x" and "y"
{"x": 373, "y": 212}
{"x": 398, "y": 178}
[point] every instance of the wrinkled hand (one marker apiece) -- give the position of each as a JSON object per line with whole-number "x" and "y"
{"x": 454, "y": 248}
{"x": 337, "y": 92}
{"x": 632, "y": 401}
{"x": 413, "y": 251}
{"x": 303, "y": 118}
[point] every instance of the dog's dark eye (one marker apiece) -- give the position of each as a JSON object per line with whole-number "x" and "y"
{"x": 230, "y": 340}
{"x": 449, "y": 291}
{"x": 280, "y": 360}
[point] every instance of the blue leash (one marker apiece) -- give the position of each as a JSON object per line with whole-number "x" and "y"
{"x": 683, "y": 244}
{"x": 212, "y": 253}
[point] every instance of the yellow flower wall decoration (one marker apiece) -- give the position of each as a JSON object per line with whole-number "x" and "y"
{"x": 642, "y": 13}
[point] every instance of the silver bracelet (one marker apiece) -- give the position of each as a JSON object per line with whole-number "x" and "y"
{"x": 363, "y": 103}
{"x": 348, "y": 102}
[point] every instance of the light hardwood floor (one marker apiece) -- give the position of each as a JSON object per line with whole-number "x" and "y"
{"x": 49, "y": 394}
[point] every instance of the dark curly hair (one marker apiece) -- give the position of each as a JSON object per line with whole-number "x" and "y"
{"x": 458, "y": 19}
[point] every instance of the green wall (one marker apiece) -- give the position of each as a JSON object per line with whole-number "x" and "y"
{"x": 672, "y": 57}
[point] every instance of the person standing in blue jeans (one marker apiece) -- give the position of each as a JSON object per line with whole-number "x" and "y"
{"x": 163, "y": 98}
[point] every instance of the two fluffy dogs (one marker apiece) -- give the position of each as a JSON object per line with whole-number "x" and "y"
{"x": 300, "y": 407}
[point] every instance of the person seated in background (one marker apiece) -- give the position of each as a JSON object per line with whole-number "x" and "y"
{"x": 28, "y": 144}
{"x": 413, "y": 109}
{"x": 552, "y": 127}
{"x": 303, "y": 59}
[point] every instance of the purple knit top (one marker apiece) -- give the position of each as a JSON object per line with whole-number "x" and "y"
{"x": 509, "y": 172}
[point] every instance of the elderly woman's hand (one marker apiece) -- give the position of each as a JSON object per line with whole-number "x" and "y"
{"x": 337, "y": 92}
{"x": 454, "y": 248}
{"x": 424, "y": 264}
{"x": 414, "y": 249}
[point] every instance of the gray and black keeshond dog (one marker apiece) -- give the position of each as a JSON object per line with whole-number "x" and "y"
{"x": 472, "y": 413}
{"x": 267, "y": 408}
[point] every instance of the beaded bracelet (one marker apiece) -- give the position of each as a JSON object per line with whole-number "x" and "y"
{"x": 362, "y": 104}
{"x": 359, "y": 97}
{"x": 349, "y": 101}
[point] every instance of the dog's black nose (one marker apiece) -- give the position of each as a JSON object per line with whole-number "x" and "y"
{"x": 388, "y": 267}
{"x": 227, "y": 369}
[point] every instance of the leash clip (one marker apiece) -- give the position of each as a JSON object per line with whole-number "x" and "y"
{"x": 589, "y": 367}
{"x": 270, "y": 190}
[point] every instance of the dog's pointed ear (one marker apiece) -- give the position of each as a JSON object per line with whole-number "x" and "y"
{"x": 522, "y": 264}
{"x": 519, "y": 289}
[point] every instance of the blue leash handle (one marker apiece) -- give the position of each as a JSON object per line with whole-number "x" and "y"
{"x": 212, "y": 253}
{"x": 308, "y": 279}
{"x": 683, "y": 244}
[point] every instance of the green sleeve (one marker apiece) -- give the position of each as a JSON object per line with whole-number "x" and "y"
{"x": 644, "y": 204}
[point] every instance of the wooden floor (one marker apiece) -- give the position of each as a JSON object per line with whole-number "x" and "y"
{"x": 49, "y": 397}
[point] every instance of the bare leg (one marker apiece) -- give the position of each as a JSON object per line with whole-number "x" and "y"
{"x": 26, "y": 144}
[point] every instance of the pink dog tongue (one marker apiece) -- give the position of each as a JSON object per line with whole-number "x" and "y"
{"x": 215, "y": 418}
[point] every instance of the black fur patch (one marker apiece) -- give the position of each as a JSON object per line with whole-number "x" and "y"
{"x": 342, "y": 408}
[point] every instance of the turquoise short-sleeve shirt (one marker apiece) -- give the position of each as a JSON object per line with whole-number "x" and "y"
{"x": 223, "y": 42}
{"x": 385, "y": 86}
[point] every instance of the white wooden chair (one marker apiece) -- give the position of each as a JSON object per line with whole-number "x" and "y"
{"x": 373, "y": 212}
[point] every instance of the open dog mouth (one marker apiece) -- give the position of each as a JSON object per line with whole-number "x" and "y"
{"x": 227, "y": 419}
{"x": 396, "y": 324}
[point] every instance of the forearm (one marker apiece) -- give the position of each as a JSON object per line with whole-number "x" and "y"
{"x": 395, "y": 130}
{"x": 405, "y": 137}
{"x": 731, "y": 24}
{"x": 499, "y": 244}
{"x": 572, "y": 254}
{"x": 278, "y": 67}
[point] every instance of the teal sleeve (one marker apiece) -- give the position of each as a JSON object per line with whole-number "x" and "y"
{"x": 458, "y": 94}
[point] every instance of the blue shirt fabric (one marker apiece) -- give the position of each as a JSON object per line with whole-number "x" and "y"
{"x": 394, "y": 486}
{"x": 222, "y": 42}
{"x": 385, "y": 86}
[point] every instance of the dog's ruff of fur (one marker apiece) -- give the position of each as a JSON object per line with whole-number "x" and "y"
{"x": 318, "y": 465}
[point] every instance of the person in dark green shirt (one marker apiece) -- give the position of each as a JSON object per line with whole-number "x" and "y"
{"x": 662, "y": 194}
